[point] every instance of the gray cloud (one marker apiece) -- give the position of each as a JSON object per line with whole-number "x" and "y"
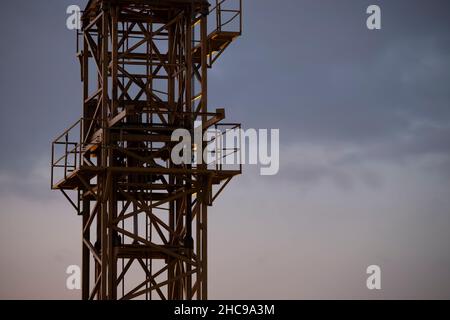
{"x": 364, "y": 119}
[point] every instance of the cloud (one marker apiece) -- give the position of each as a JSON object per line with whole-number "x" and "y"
{"x": 31, "y": 183}
{"x": 365, "y": 162}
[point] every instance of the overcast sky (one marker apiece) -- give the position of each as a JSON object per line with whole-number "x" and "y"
{"x": 364, "y": 119}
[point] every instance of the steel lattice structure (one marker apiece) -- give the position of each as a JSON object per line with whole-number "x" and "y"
{"x": 144, "y": 68}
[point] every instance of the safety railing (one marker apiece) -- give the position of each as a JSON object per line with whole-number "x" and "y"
{"x": 228, "y": 15}
{"x": 68, "y": 150}
{"x": 225, "y": 145}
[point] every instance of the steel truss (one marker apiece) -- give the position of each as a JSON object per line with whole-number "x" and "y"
{"x": 144, "y": 67}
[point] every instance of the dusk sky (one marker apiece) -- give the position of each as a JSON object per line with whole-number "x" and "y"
{"x": 364, "y": 120}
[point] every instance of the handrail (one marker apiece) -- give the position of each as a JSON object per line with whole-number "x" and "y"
{"x": 231, "y": 19}
{"x": 223, "y": 152}
{"x": 218, "y": 9}
{"x": 71, "y": 157}
{"x": 67, "y": 130}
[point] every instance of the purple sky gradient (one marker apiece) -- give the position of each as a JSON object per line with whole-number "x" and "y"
{"x": 364, "y": 119}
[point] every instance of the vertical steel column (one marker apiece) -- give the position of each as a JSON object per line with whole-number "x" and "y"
{"x": 85, "y": 271}
{"x": 188, "y": 241}
{"x": 104, "y": 152}
{"x": 204, "y": 197}
{"x": 111, "y": 179}
{"x": 85, "y": 232}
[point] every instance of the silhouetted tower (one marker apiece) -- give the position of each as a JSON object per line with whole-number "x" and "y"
{"x": 144, "y": 68}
